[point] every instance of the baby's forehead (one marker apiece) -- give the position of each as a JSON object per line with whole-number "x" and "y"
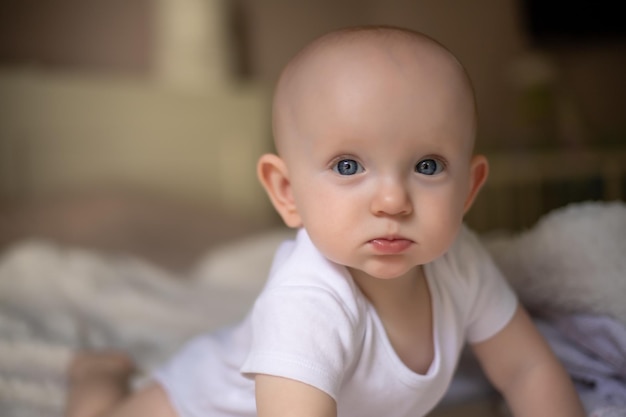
{"x": 344, "y": 57}
{"x": 365, "y": 63}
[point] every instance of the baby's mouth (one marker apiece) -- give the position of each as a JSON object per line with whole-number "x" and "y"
{"x": 392, "y": 245}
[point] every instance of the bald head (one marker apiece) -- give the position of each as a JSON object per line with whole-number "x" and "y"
{"x": 380, "y": 70}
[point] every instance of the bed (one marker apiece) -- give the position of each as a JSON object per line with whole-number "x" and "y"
{"x": 104, "y": 254}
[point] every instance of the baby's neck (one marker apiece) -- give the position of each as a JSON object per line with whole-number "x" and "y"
{"x": 404, "y": 306}
{"x": 387, "y": 293}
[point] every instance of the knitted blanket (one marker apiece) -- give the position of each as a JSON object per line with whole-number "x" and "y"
{"x": 54, "y": 300}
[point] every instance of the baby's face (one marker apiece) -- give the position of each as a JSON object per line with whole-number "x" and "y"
{"x": 379, "y": 154}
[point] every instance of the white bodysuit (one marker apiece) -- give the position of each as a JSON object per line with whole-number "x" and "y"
{"x": 311, "y": 323}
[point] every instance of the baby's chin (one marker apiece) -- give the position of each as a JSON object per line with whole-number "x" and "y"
{"x": 387, "y": 272}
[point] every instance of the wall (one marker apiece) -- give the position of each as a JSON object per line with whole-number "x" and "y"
{"x": 79, "y": 111}
{"x": 76, "y": 133}
{"x": 112, "y": 36}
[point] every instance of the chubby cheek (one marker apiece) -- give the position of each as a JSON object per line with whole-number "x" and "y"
{"x": 317, "y": 207}
{"x": 439, "y": 217}
{"x": 329, "y": 218}
{"x": 318, "y": 201}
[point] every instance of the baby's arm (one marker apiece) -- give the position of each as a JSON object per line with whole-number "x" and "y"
{"x": 277, "y": 397}
{"x": 521, "y": 365}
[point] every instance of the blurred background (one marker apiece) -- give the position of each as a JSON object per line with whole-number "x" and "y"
{"x": 133, "y": 127}
{"x": 119, "y": 105}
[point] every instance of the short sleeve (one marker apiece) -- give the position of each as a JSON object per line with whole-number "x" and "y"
{"x": 302, "y": 333}
{"x": 491, "y": 300}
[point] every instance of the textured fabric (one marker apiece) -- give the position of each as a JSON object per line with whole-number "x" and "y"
{"x": 593, "y": 350}
{"x": 312, "y": 324}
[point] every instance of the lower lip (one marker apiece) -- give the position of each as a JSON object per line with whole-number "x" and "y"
{"x": 391, "y": 246}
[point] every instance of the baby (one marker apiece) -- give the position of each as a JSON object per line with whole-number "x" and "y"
{"x": 367, "y": 311}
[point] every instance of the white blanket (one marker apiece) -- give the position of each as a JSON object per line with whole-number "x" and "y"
{"x": 54, "y": 300}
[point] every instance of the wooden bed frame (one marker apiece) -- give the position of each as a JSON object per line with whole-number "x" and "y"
{"x": 525, "y": 185}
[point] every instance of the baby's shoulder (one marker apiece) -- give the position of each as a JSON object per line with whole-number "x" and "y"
{"x": 301, "y": 272}
{"x": 327, "y": 292}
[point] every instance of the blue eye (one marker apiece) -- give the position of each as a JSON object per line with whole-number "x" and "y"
{"x": 429, "y": 167}
{"x": 347, "y": 167}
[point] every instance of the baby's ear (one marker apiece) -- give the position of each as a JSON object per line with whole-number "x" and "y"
{"x": 274, "y": 177}
{"x": 479, "y": 170}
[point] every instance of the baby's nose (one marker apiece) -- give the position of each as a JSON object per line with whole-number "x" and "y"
{"x": 392, "y": 199}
